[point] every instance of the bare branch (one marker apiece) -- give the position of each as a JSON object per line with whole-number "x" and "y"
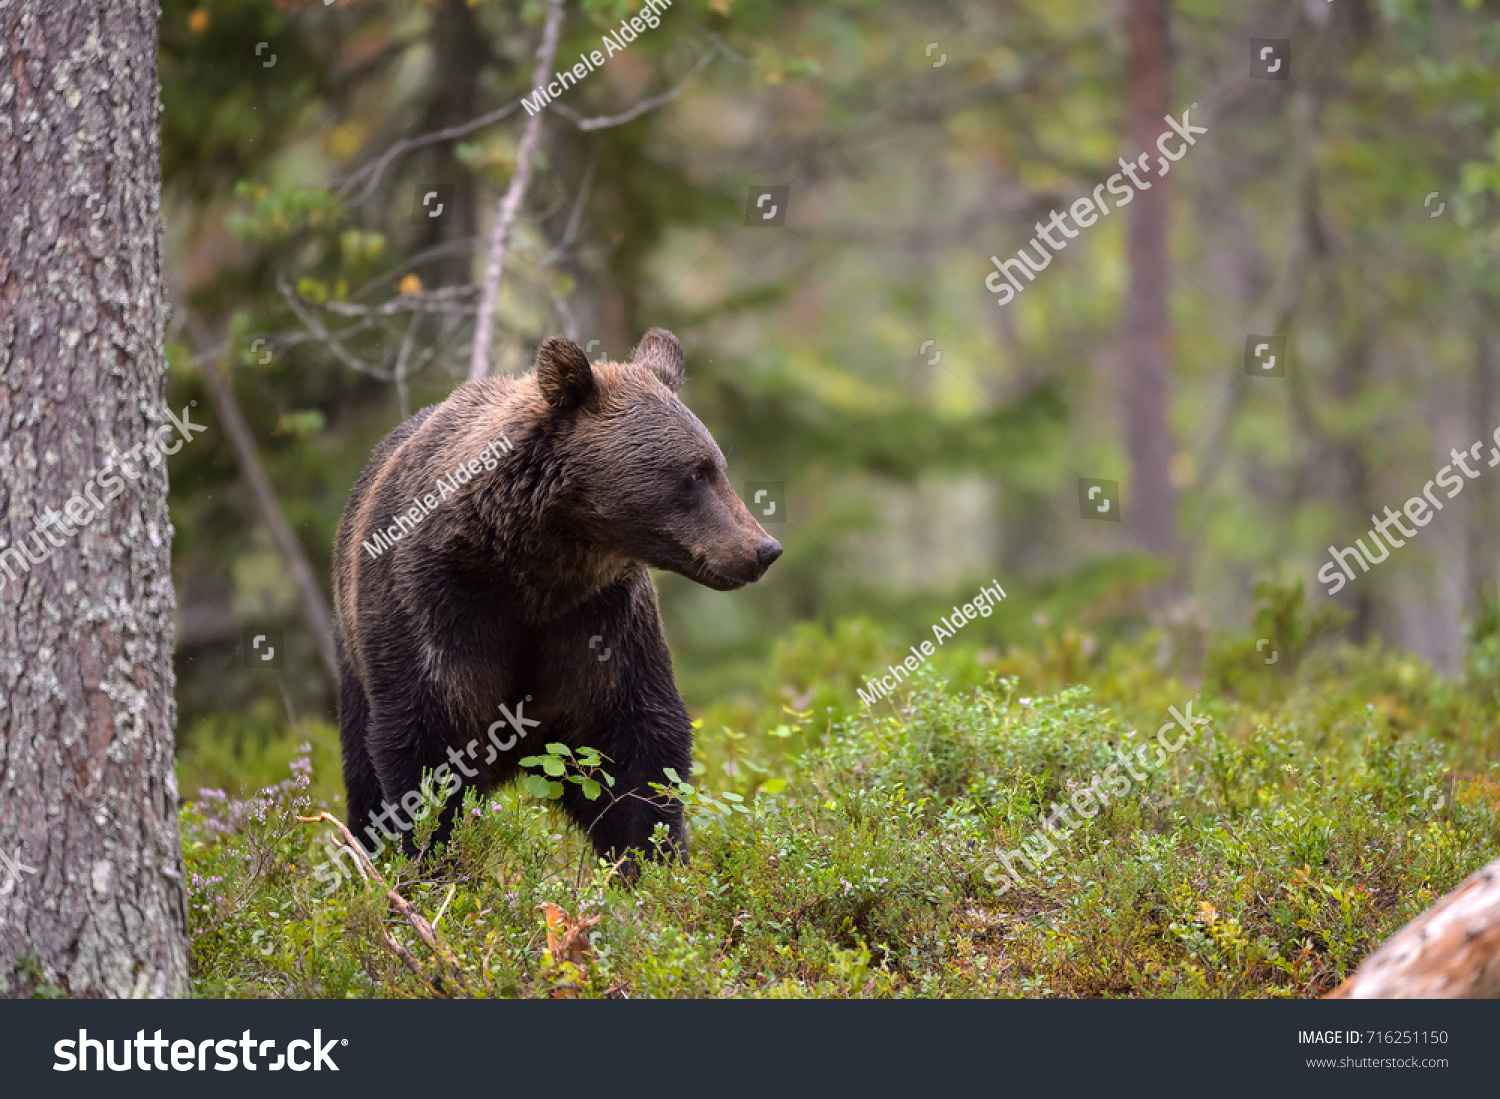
{"x": 411, "y": 335}
{"x": 442, "y": 250}
{"x": 418, "y": 922}
{"x": 557, "y": 251}
{"x": 315, "y": 326}
{"x": 314, "y": 606}
{"x": 723, "y": 47}
{"x": 447, "y": 299}
{"x": 376, "y": 168}
{"x": 479, "y": 360}
{"x": 640, "y": 108}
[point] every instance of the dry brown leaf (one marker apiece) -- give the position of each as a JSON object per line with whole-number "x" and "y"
{"x": 567, "y": 941}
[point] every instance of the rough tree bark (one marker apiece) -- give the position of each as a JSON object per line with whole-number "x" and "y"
{"x": 1147, "y": 363}
{"x": 91, "y": 890}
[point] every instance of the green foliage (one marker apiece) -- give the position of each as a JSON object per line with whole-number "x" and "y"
{"x": 1286, "y": 628}
{"x": 700, "y": 808}
{"x": 840, "y": 849}
{"x": 1263, "y": 859}
{"x": 277, "y": 213}
{"x": 561, "y": 764}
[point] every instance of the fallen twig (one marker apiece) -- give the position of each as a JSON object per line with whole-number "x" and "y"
{"x": 418, "y": 922}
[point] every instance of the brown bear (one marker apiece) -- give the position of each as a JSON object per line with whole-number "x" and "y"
{"x": 492, "y": 563}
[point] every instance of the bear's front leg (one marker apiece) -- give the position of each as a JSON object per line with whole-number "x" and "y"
{"x": 621, "y": 820}
{"x": 623, "y": 702}
{"x": 408, "y": 736}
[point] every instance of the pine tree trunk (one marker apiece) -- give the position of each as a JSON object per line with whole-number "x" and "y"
{"x": 1152, "y": 510}
{"x": 91, "y": 879}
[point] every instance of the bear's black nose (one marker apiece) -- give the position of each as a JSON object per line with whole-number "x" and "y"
{"x": 766, "y": 551}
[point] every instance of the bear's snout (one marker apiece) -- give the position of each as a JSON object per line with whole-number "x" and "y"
{"x": 766, "y": 552}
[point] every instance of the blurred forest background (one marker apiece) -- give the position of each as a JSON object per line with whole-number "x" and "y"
{"x": 916, "y": 139}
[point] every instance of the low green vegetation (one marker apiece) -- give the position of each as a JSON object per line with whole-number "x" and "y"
{"x": 842, "y": 852}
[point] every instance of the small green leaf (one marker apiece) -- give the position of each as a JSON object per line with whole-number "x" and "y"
{"x": 554, "y": 790}
{"x": 559, "y": 750}
{"x": 312, "y": 290}
{"x": 538, "y": 787}
{"x": 531, "y": 761}
{"x": 301, "y": 423}
{"x": 553, "y": 766}
{"x": 671, "y": 774}
{"x": 731, "y": 797}
{"x": 591, "y": 788}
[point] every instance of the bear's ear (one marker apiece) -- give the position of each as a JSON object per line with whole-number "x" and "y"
{"x": 564, "y": 373}
{"x": 660, "y": 353}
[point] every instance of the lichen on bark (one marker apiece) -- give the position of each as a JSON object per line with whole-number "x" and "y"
{"x": 88, "y": 798}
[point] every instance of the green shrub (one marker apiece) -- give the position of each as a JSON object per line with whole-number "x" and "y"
{"x": 843, "y": 851}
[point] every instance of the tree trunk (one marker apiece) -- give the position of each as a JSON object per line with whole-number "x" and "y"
{"x": 91, "y": 883}
{"x": 458, "y": 38}
{"x": 1152, "y": 511}
{"x": 1478, "y": 577}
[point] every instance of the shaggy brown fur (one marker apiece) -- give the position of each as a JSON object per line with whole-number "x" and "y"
{"x": 491, "y": 598}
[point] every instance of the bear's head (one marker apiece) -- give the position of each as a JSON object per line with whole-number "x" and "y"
{"x": 645, "y": 476}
